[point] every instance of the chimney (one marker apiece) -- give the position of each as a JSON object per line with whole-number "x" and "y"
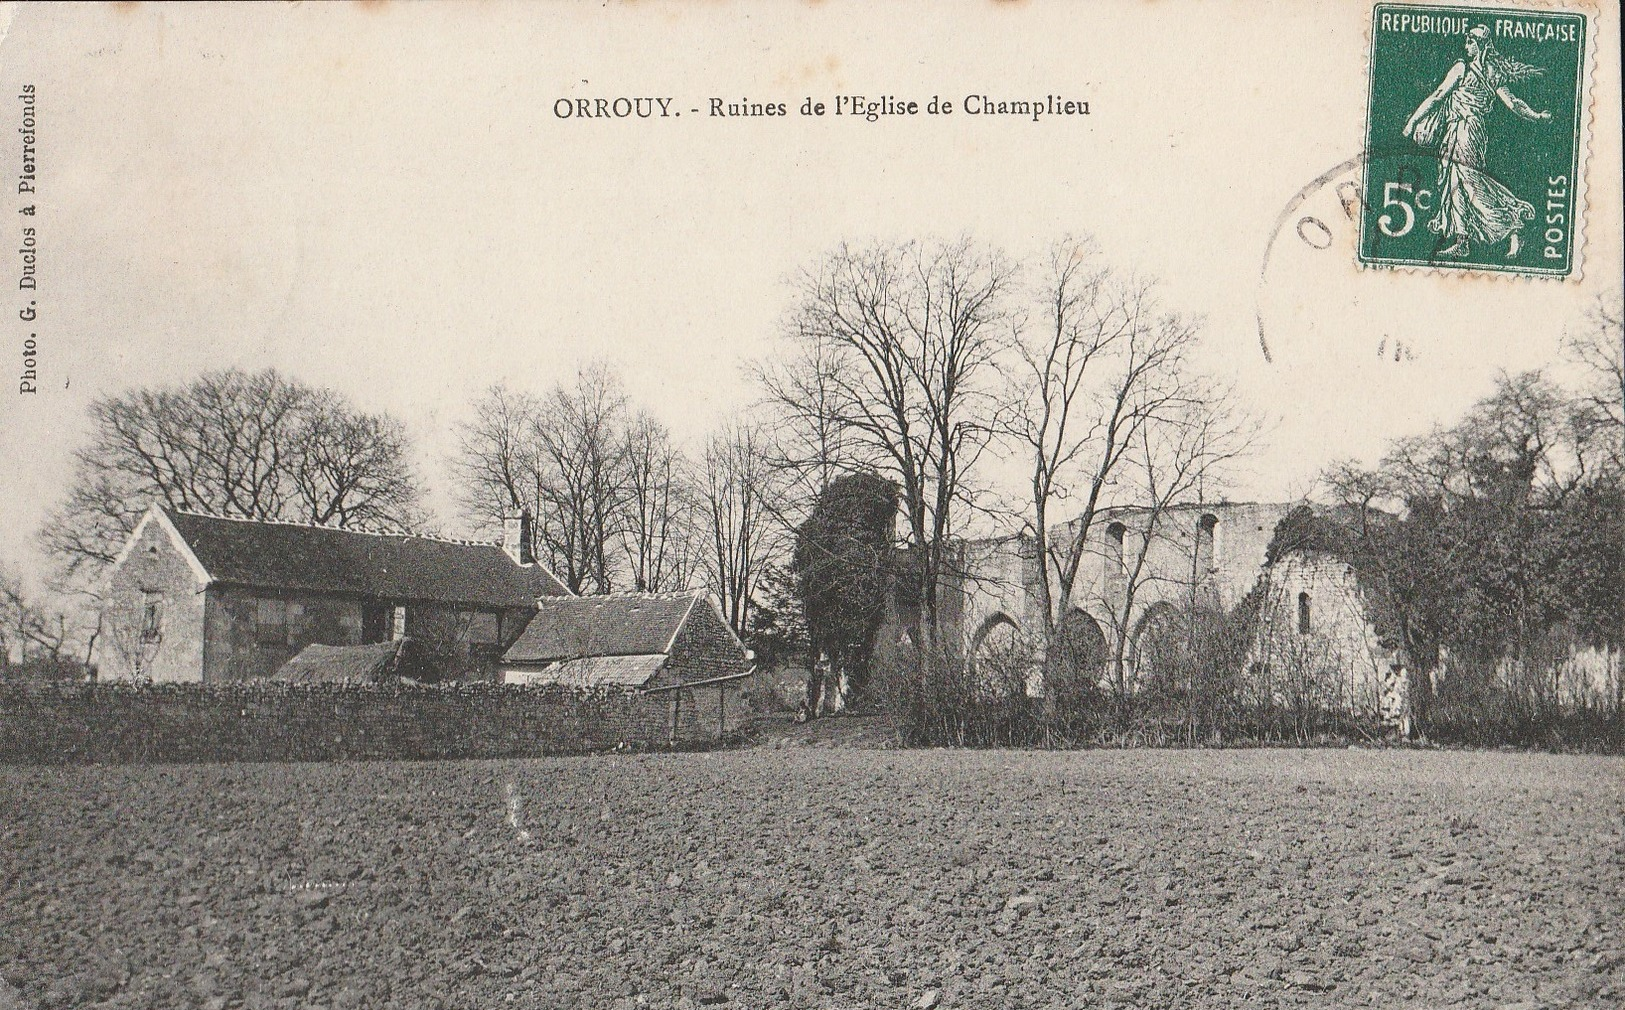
{"x": 516, "y": 538}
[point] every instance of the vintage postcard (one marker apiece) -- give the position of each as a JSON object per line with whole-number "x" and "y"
{"x": 815, "y": 505}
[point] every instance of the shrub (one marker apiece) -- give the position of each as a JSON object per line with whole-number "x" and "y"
{"x": 939, "y": 697}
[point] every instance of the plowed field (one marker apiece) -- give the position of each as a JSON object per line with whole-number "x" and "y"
{"x": 811, "y": 877}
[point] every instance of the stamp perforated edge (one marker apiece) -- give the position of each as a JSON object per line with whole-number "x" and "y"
{"x": 1586, "y": 125}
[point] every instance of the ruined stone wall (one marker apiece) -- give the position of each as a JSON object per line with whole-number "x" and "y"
{"x": 996, "y": 577}
{"x": 1315, "y": 643}
{"x": 1240, "y": 537}
{"x": 1592, "y": 676}
{"x": 1001, "y": 574}
{"x": 269, "y": 721}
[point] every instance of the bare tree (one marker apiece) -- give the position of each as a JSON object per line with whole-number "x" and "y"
{"x": 28, "y": 631}
{"x": 135, "y": 631}
{"x": 351, "y": 469}
{"x": 901, "y": 341}
{"x": 579, "y": 435}
{"x": 496, "y": 469}
{"x": 1599, "y": 349}
{"x": 597, "y": 482}
{"x": 1102, "y": 363}
{"x": 736, "y": 485}
{"x": 805, "y": 447}
{"x": 1175, "y": 460}
{"x": 660, "y": 543}
{"x": 251, "y": 445}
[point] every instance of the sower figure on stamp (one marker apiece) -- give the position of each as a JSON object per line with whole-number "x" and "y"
{"x": 1473, "y": 207}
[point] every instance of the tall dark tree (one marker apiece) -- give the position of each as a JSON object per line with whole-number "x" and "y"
{"x": 778, "y": 624}
{"x": 843, "y": 565}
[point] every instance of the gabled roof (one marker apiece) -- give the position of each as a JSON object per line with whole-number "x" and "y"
{"x": 291, "y": 556}
{"x": 595, "y": 671}
{"x": 633, "y": 624}
{"x": 340, "y": 664}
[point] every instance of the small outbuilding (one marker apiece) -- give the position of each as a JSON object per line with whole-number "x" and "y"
{"x": 674, "y": 649}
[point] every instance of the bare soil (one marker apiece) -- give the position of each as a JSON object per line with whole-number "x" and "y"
{"x": 811, "y": 876}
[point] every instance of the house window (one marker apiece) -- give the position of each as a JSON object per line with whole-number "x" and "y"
{"x": 152, "y": 616}
{"x": 397, "y": 624}
{"x": 1303, "y": 613}
{"x": 482, "y": 628}
{"x": 271, "y": 622}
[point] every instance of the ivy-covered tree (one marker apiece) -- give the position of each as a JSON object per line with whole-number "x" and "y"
{"x": 842, "y": 568}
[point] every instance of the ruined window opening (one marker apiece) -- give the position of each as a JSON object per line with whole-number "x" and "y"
{"x": 1115, "y": 572}
{"x": 1206, "y": 529}
{"x": 1303, "y": 613}
{"x": 1114, "y": 548}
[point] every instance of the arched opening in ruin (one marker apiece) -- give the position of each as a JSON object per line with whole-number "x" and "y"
{"x": 1151, "y": 643}
{"x": 1207, "y": 529}
{"x": 1115, "y": 581}
{"x": 1001, "y": 658}
{"x": 1078, "y": 653}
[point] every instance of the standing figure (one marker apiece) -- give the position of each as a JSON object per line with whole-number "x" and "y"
{"x": 1473, "y": 207}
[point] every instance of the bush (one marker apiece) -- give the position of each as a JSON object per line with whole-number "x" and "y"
{"x": 937, "y": 698}
{"x": 45, "y": 669}
{"x": 1478, "y": 710}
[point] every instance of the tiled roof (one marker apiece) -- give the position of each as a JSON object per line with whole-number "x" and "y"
{"x": 569, "y": 627}
{"x": 331, "y": 664}
{"x": 290, "y": 556}
{"x": 594, "y": 671}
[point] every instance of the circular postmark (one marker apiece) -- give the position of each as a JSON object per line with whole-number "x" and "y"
{"x": 1341, "y": 236}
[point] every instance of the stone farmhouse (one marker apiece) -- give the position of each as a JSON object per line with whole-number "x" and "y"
{"x": 195, "y": 597}
{"x": 209, "y": 599}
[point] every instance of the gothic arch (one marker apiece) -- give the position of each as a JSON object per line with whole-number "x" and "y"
{"x": 1157, "y": 616}
{"x": 987, "y": 629}
{"x": 999, "y": 658}
{"x": 1079, "y": 650}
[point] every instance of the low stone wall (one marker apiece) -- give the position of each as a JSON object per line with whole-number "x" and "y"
{"x": 123, "y": 723}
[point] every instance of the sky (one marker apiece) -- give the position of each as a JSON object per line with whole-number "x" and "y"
{"x": 381, "y": 198}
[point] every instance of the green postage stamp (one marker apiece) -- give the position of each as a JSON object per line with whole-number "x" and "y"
{"x": 1474, "y": 121}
